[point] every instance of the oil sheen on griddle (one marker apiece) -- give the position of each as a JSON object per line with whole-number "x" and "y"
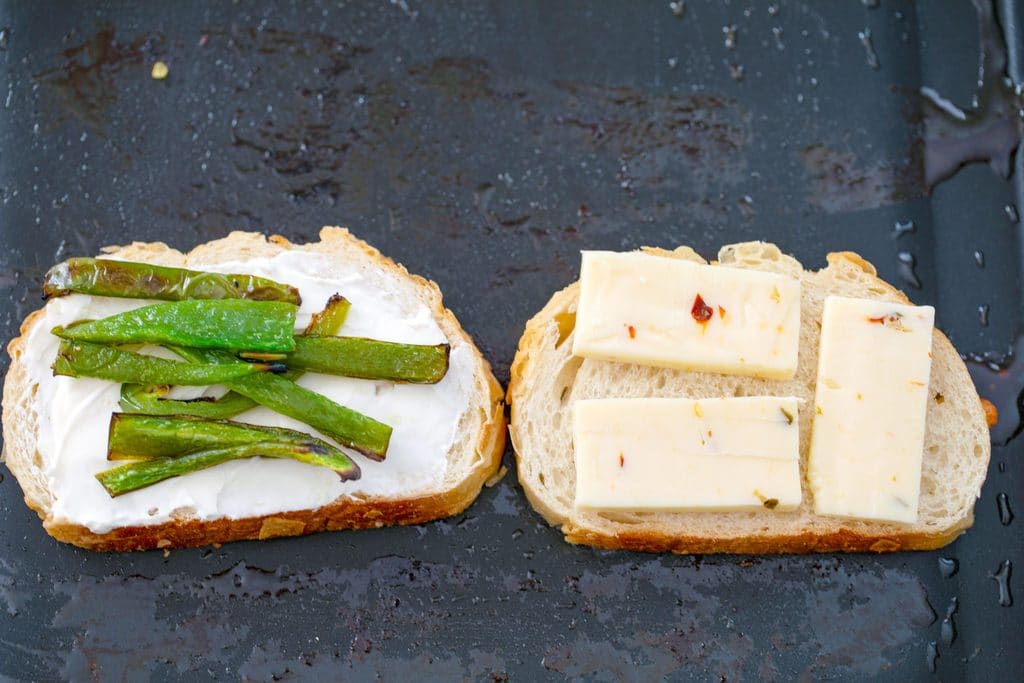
{"x": 988, "y": 131}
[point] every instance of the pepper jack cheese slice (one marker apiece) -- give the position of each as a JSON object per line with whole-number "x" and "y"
{"x": 680, "y": 454}
{"x": 653, "y": 310}
{"x": 868, "y": 434}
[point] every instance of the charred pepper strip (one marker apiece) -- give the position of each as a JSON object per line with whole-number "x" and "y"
{"x": 127, "y": 279}
{"x": 138, "y": 398}
{"x": 142, "y": 399}
{"x": 346, "y": 426}
{"x": 83, "y": 359}
{"x": 233, "y": 324}
{"x": 329, "y": 321}
{"x": 370, "y": 359}
{"x": 325, "y": 323}
{"x": 144, "y": 437}
{"x": 282, "y": 395}
{"x": 137, "y": 475}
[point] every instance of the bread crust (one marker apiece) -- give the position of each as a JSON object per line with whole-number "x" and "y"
{"x": 883, "y": 538}
{"x": 20, "y": 430}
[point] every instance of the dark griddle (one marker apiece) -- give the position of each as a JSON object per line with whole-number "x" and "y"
{"x": 483, "y": 145}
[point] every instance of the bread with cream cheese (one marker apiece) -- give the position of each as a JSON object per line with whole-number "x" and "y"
{"x": 546, "y": 380}
{"x": 473, "y": 457}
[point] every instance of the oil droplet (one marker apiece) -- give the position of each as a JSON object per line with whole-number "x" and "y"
{"x": 773, "y": 10}
{"x": 931, "y": 656}
{"x": 5, "y": 36}
{"x": 999, "y": 378}
{"x": 1002, "y": 467}
{"x": 870, "y": 4}
{"x": 1011, "y": 213}
{"x": 906, "y": 269}
{"x": 979, "y": 258}
{"x": 673, "y": 62}
{"x": 948, "y": 628}
{"x": 58, "y": 254}
{"x": 678, "y": 8}
{"x": 983, "y": 315}
{"x": 746, "y": 204}
{"x": 1005, "y": 513}
{"x": 482, "y": 196}
{"x": 1002, "y": 577}
{"x": 948, "y": 566}
{"x": 777, "y": 35}
{"x": 730, "y": 36}
{"x": 948, "y": 631}
{"x": 899, "y": 229}
{"x": 869, "y": 48}
{"x": 736, "y": 72}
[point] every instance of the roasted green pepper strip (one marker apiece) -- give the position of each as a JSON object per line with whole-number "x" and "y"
{"x": 346, "y": 426}
{"x": 137, "y": 475}
{"x": 144, "y": 437}
{"x": 282, "y": 395}
{"x": 330, "y": 320}
{"x": 233, "y": 324}
{"x": 82, "y": 359}
{"x": 143, "y": 399}
{"x": 370, "y": 359}
{"x": 138, "y": 398}
{"x": 126, "y": 279}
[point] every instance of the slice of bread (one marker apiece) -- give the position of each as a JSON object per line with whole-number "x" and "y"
{"x": 547, "y": 379}
{"x": 473, "y": 458}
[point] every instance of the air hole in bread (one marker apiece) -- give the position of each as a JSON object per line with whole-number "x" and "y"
{"x": 566, "y": 322}
{"x": 540, "y": 476}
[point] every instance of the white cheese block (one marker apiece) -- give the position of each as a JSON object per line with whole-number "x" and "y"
{"x": 868, "y": 434}
{"x": 653, "y": 310}
{"x": 680, "y": 454}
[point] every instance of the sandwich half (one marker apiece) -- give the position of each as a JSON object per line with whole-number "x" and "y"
{"x": 547, "y": 380}
{"x": 447, "y": 438}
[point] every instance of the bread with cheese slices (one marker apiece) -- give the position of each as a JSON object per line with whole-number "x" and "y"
{"x": 236, "y": 501}
{"x": 547, "y": 380}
